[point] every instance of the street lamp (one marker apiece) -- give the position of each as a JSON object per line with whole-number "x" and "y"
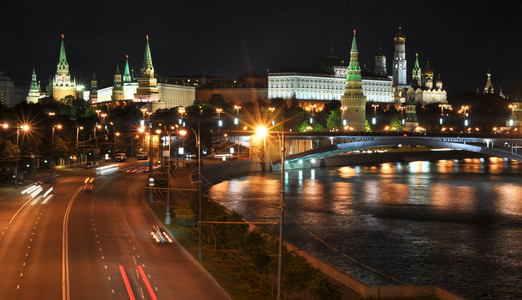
{"x": 114, "y": 144}
{"x": 343, "y": 109}
{"x": 198, "y": 145}
{"x": 375, "y": 109}
{"x": 78, "y": 128}
{"x": 512, "y": 107}
{"x": 24, "y": 128}
{"x": 236, "y": 121}
{"x": 59, "y": 126}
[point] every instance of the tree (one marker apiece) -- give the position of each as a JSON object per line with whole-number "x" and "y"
{"x": 7, "y": 149}
{"x": 396, "y": 124}
{"x": 367, "y": 126}
{"x": 334, "y": 119}
{"x": 321, "y": 288}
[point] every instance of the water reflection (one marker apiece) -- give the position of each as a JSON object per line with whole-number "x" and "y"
{"x": 451, "y": 223}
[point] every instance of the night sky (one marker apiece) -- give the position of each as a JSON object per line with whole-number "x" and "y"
{"x": 462, "y": 39}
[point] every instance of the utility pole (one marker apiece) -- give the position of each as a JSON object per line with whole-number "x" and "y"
{"x": 281, "y": 219}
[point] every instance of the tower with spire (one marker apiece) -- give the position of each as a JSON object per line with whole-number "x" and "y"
{"x": 380, "y": 62}
{"x": 399, "y": 61}
{"x": 93, "y": 95}
{"x": 353, "y": 98}
{"x": 63, "y": 86}
{"x": 488, "y": 88}
{"x": 147, "y": 90}
{"x": 117, "y": 89}
{"x": 34, "y": 90}
{"x": 416, "y": 73}
{"x": 126, "y": 73}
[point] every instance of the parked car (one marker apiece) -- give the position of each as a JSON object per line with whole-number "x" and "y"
{"x": 142, "y": 156}
{"x": 120, "y": 157}
{"x": 92, "y": 164}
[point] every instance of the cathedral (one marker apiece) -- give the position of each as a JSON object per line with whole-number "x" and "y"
{"x": 423, "y": 89}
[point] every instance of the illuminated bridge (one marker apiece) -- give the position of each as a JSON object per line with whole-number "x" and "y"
{"x": 506, "y": 147}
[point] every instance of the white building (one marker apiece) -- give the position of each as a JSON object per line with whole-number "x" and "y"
{"x": 309, "y": 86}
{"x": 171, "y": 95}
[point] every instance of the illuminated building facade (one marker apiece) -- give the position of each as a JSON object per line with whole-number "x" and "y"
{"x": 63, "y": 86}
{"x": 421, "y": 89}
{"x": 146, "y": 90}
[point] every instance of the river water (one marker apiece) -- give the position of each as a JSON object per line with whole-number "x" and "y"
{"x": 452, "y": 223}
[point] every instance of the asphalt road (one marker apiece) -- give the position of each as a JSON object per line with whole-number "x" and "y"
{"x": 76, "y": 244}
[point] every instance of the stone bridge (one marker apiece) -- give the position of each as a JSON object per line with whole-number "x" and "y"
{"x": 501, "y": 147}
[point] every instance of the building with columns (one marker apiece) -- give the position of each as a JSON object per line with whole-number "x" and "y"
{"x": 62, "y": 85}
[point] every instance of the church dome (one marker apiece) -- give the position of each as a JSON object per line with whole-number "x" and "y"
{"x": 428, "y": 71}
{"x": 331, "y": 60}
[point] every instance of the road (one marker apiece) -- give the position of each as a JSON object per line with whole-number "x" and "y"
{"x": 76, "y": 244}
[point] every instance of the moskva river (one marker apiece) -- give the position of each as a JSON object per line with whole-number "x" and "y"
{"x": 452, "y": 223}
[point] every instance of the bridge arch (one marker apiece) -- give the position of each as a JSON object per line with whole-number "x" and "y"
{"x": 313, "y": 158}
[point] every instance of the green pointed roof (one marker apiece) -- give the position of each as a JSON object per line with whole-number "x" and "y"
{"x": 416, "y": 61}
{"x": 34, "y": 83}
{"x": 147, "y": 58}
{"x": 117, "y": 69}
{"x": 354, "y": 70}
{"x": 126, "y": 72}
{"x": 63, "y": 58}
{"x": 354, "y": 44}
{"x": 93, "y": 76}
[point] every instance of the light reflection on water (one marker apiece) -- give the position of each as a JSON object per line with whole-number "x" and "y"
{"x": 456, "y": 224}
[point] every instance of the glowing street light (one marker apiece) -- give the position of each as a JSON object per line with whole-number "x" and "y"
{"x": 58, "y": 126}
{"x": 25, "y": 128}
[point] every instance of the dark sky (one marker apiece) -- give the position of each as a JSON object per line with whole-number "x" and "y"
{"x": 462, "y": 39}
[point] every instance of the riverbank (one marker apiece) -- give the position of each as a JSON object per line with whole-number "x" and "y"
{"x": 222, "y": 172}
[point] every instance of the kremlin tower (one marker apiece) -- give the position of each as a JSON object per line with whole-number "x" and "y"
{"x": 34, "y": 90}
{"x": 117, "y": 89}
{"x": 147, "y": 83}
{"x": 62, "y": 84}
{"x": 353, "y": 98}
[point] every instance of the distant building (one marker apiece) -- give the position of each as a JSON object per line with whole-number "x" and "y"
{"x": 7, "y": 92}
{"x": 62, "y": 85}
{"x": 325, "y": 82}
{"x": 34, "y": 90}
{"x": 249, "y": 87}
{"x": 422, "y": 90}
{"x": 145, "y": 90}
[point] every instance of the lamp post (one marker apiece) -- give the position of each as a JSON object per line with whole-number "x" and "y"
{"x": 167, "y": 211}
{"x": 151, "y": 161}
{"x": 116, "y": 134}
{"x": 198, "y": 145}
{"x": 281, "y": 219}
{"x": 52, "y": 147}
{"x": 237, "y": 108}
{"x": 25, "y": 128}
{"x": 78, "y": 128}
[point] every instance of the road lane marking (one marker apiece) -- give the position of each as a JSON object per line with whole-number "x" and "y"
{"x": 147, "y": 283}
{"x": 66, "y": 293}
{"x": 16, "y": 213}
{"x": 127, "y": 283}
